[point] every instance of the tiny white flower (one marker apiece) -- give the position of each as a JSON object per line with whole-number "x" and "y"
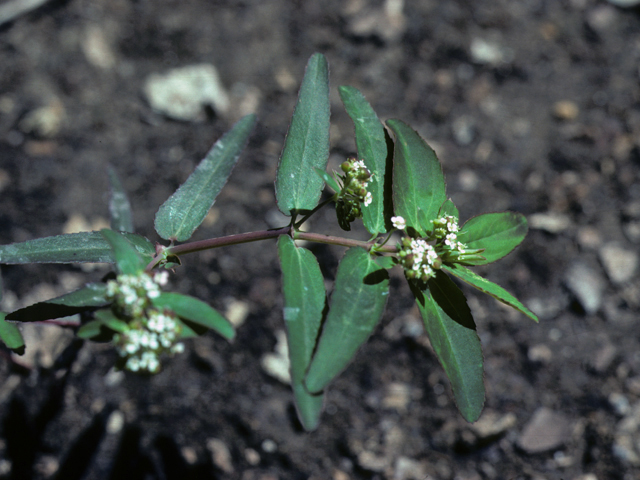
{"x": 133, "y": 364}
{"x": 161, "y": 278}
{"x": 368, "y": 199}
{"x": 399, "y": 223}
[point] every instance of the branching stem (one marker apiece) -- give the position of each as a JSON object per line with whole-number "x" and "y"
{"x": 248, "y": 237}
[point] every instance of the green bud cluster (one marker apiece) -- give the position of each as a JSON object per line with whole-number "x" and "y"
{"x": 150, "y": 332}
{"x": 353, "y": 193}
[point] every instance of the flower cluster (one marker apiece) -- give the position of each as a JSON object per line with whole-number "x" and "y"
{"x": 151, "y": 332}
{"x": 421, "y": 257}
{"x": 354, "y": 192}
{"x": 132, "y": 293}
{"x": 418, "y": 258}
{"x": 446, "y": 234}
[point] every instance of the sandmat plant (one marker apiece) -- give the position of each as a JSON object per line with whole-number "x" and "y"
{"x": 395, "y": 185}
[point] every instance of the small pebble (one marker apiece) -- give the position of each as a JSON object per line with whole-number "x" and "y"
{"x": 565, "y": 110}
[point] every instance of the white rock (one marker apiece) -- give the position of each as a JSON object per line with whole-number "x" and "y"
{"x": 408, "y": 469}
{"x": 183, "y": 93}
{"x": 277, "y": 364}
{"x": 489, "y": 52}
{"x": 619, "y": 263}
{"x": 551, "y": 222}
{"x": 491, "y": 424}
{"x": 587, "y": 285}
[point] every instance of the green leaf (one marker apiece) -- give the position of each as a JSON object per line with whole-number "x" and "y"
{"x": 448, "y": 208}
{"x": 10, "y": 335}
{"x": 385, "y": 262}
{"x": 304, "y": 302}
{"x": 90, "y": 330}
{"x": 103, "y": 327}
{"x": 308, "y": 406}
{"x": 358, "y": 300}
{"x": 84, "y": 247}
{"x": 89, "y": 297}
{"x": 457, "y": 347}
{"x": 451, "y": 299}
{"x": 185, "y": 210}
{"x": 418, "y": 181}
{"x": 497, "y": 233}
{"x": 372, "y": 148}
{"x": 119, "y": 205}
{"x": 190, "y": 330}
{"x": 328, "y": 179}
{"x": 196, "y": 311}
{"x": 128, "y": 260}
{"x": 488, "y": 287}
{"x": 109, "y": 320}
{"x": 306, "y": 147}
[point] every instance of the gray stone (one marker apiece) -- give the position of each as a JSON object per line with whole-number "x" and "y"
{"x": 545, "y": 431}
{"x": 627, "y": 438}
{"x": 620, "y": 403}
{"x": 619, "y": 263}
{"x": 220, "y": 455}
{"x": 632, "y": 231}
{"x": 463, "y": 130}
{"x": 587, "y": 285}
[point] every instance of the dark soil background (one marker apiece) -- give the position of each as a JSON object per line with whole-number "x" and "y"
{"x": 533, "y": 106}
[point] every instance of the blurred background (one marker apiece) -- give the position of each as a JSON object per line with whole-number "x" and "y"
{"x": 532, "y": 106}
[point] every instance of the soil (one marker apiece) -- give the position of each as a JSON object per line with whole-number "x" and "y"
{"x": 532, "y": 106}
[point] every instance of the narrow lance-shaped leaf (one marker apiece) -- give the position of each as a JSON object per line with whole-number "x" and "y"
{"x": 497, "y": 233}
{"x": 185, "y": 210}
{"x": 10, "y": 335}
{"x": 304, "y": 302}
{"x": 455, "y": 342}
{"x": 306, "y": 147}
{"x": 196, "y": 311}
{"x": 119, "y": 205}
{"x": 358, "y": 300}
{"x": 84, "y": 247}
{"x": 128, "y": 260}
{"x": 418, "y": 181}
{"x": 488, "y": 287}
{"x": 372, "y": 148}
{"x": 89, "y": 297}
